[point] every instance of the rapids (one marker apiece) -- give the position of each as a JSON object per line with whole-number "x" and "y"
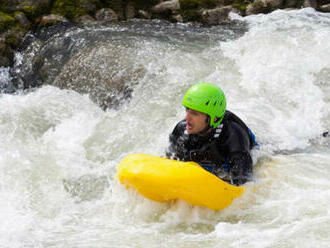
{"x": 59, "y": 150}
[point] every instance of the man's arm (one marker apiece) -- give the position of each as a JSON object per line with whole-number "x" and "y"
{"x": 239, "y": 154}
{"x": 241, "y": 168}
{"x": 174, "y": 149}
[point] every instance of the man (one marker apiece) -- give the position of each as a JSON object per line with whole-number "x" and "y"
{"x": 211, "y": 136}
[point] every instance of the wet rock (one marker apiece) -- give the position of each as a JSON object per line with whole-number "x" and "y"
{"x": 325, "y": 8}
{"x": 291, "y": 3}
{"x": 51, "y": 19}
{"x": 214, "y": 16}
{"x": 263, "y": 6}
{"x": 22, "y": 20}
{"x": 89, "y": 5}
{"x": 6, "y": 54}
{"x": 106, "y": 14}
{"x": 130, "y": 10}
{"x": 274, "y": 4}
{"x": 68, "y": 8}
{"x": 19, "y": 5}
{"x": 13, "y": 37}
{"x": 177, "y": 18}
{"x": 9, "y": 41}
{"x": 85, "y": 19}
{"x": 31, "y": 8}
{"x": 86, "y": 61}
{"x": 144, "y": 14}
{"x": 310, "y": 4}
{"x": 166, "y": 7}
{"x": 168, "y": 10}
{"x": 105, "y": 71}
{"x": 118, "y": 7}
{"x": 38, "y": 51}
{"x": 255, "y": 7}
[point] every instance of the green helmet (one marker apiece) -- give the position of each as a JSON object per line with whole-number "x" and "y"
{"x": 208, "y": 99}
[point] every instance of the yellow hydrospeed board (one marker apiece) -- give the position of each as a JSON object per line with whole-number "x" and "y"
{"x": 163, "y": 180}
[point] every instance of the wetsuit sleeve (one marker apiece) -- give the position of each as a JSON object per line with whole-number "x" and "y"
{"x": 239, "y": 154}
{"x": 241, "y": 168}
{"x": 174, "y": 150}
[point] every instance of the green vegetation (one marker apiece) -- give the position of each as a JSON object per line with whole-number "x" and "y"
{"x": 33, "y": 11}
{"x": 6, "y": 21}
{"x": 68, "y": 8}
{"x": 239, "y": 4}
{"x": 30, "y": 11}
{"x": 14, "y": 37}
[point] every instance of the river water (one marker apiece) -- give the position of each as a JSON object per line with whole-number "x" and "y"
{"x": 59, "y": 150}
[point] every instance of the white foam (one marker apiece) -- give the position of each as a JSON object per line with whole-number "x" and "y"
{"x": 59, "y": 151}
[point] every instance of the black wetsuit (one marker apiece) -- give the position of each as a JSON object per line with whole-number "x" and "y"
{"x": 225, "y": 148}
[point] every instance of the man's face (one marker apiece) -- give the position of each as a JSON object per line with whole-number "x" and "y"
{"x": 196, "y": 121}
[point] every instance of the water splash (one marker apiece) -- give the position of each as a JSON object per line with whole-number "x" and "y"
{"x": 59, "y": 150}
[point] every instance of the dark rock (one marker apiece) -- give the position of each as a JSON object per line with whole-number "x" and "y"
{"x": 37, "y": 56}
{"x": 325, "y": 8}
{"x": 144, "y": 14}
{"x": 177, "y": 18}
{"x": 90, "y": 6}
{"x": 118, "y": 7}
{"x": 13, "y": 37}
{"x": 9, "y": 41}
{"x": 6, "y": 54}
{"x": 31, "y": 8}
{"x": 88, "y": 62}
{"x": 104, "y": 71}
{"x": 19, "y": 5}
{"x": 22, "y": 20}
{"x": 214, "y": 16}
{"x": 106, "y": 14}
{"x": 291, "y": 3}
{"x": 130, "y": 10}
{"x": 168, "y": 6}
{"x": 51, "y": 19}
{"x": 310, "y": 4}
{"x": 323, "y": 2}
{"x": 263, "y": 6}
{"x": 68, "y": 8}
{"x": 85, "y": 19}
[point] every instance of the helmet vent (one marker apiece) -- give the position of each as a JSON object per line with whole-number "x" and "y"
{"x": 207, "y": 103}
{"x": 215, "y": 103}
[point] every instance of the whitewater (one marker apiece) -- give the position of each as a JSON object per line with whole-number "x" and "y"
{"x": 59, "y": 150}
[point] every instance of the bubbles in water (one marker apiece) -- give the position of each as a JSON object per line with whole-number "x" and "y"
{"x": 59, "y": 150}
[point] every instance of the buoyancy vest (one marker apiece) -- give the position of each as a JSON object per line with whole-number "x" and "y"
{"x": 215, "y": 150}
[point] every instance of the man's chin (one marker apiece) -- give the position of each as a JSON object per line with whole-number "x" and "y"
{"x": 190, "y": 131}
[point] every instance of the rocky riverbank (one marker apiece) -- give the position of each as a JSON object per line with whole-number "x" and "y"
{"x": 17, "y": 17}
